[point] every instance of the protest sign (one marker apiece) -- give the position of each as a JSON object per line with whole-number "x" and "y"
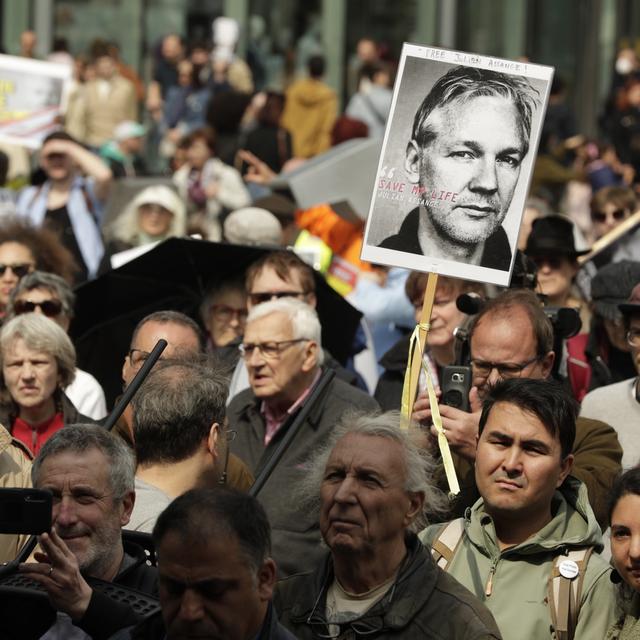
{"x": 31, "y": 94}
{"x": 456, "y": 163}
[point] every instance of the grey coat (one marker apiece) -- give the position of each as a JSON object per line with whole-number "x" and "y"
{"x": 295, "y": 530}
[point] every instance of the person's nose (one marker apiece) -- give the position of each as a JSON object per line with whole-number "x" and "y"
{"x": 494, "y": 376}
{"x": 345, "y": 492}
{"x": 512, "y": 461}
{"x": 65, "y": 512}
{"x": 256, "y": 358}
{"x": 27, "y": 371}
{"x": 191, "y": 606}
{"x": 634, "y": 548}
{"x": 485, "y": 177}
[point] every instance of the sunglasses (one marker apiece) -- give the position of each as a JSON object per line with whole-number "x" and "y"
{"x": 50, "y": 308}
{"x": 618, "y": 215}
{"x": 19, "y": 270}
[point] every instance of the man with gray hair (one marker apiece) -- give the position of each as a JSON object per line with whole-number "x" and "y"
{"x": 374, "y": 486}
{"x": 283, "y": 355}
{"x": 90, "y": 474}
{"x": 469, "y": 138}
{"x": 179, "y": 434}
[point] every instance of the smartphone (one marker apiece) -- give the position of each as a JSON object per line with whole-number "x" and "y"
{"x": 456, "y": 384}
{"x": 25, "y": 511}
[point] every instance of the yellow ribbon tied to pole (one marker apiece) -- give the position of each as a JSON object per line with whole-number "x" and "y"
{"x": 415, "y": 364}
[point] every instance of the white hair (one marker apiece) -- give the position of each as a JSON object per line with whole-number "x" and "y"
{"x": 303, "y": 318}
{"x": 419, "y": 466}
{"x": 126, "y": 227}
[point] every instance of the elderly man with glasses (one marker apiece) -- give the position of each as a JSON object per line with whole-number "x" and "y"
{"x": 283, "y": 355}
{"x": 377, "y": 581}
{"x": 512, "y": 337}
{"x": 619, "y": 403}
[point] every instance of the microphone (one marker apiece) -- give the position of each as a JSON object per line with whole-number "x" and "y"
{"x": 469, "y": 303}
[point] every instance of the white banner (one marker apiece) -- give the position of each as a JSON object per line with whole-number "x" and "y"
{"x": 31, "y": 95}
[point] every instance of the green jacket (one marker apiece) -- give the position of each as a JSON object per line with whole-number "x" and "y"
{"x": 520, "y": 573}
{"x": 627, "y": 626}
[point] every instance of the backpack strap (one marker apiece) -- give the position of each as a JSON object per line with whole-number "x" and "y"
{"x": 564, "y": 591}
{"x": 445, "y": 544}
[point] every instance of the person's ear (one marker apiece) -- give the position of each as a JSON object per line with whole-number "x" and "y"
{"x": 565, "y": 469}
{"x": 127, "y": 507}
{"x": 412, "y": 162}
{"x": 311, "y": 300}
{"x": 126, "y": 369}
{"x": 416, "y": 505}
{"x": 311, "y": 352}
{"x": 546, "y": 364}
{"x": 267, "y": 579}
{"x": 212, "y": 439}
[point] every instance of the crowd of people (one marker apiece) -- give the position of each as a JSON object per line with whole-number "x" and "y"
{"x": 350, "y": 530}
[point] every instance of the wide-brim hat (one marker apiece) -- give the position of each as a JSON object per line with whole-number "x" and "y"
{"x": 552, "y": 235}
{"x": 612, "y": 286}
{"x": 632, "y": 305}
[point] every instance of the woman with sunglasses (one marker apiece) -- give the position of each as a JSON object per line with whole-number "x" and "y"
{"x": 23, "y": 248}
{"x": 37, "y": 361}
{"x": 610, "y": 207}
{"x": 49, "y": 295}
{"x": 624, "y": 515}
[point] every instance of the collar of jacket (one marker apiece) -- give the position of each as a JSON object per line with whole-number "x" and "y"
{"x": 409, "y": 597}
{"x": 252, "y": 406}
{"x": 573, "y": 525}
{"x": 7, "y": 440}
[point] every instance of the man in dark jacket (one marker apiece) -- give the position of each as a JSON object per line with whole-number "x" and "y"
{"x": 218, "y": 585}
{"x": 90, "y": 475}
{"x": 283, "y": 355}
{"x": 375, "y": 485}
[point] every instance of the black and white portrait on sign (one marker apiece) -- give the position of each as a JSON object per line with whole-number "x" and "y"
{"x": 456, "y": 164}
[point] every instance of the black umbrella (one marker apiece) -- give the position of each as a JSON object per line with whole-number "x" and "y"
{"x": 175, "y": 275}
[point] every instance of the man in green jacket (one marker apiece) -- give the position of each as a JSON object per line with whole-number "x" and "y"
{"x": 532, "y": 522}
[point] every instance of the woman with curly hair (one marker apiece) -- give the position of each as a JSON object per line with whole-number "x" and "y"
{"x": 23, "y": 249}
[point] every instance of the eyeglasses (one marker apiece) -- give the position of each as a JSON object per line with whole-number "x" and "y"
{"x": 259, "y": 298}
{"x": 633, "y": 337}
{"x": 482, "y": 368}
{"x": 553, "y": 262}
{"x": 600, "y": 216}
{"x": 225, "y": 313}
{"x": 19, "y": 269}
{"x": 270, "y": 350}
{"x": 50, "y": 308}
{"x": 137, "y": 357}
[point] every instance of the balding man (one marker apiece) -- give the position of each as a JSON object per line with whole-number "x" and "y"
{"x": 184, "y": 340}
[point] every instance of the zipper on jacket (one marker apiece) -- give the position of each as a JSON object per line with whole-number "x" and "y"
{"x": 489, "y": 585}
